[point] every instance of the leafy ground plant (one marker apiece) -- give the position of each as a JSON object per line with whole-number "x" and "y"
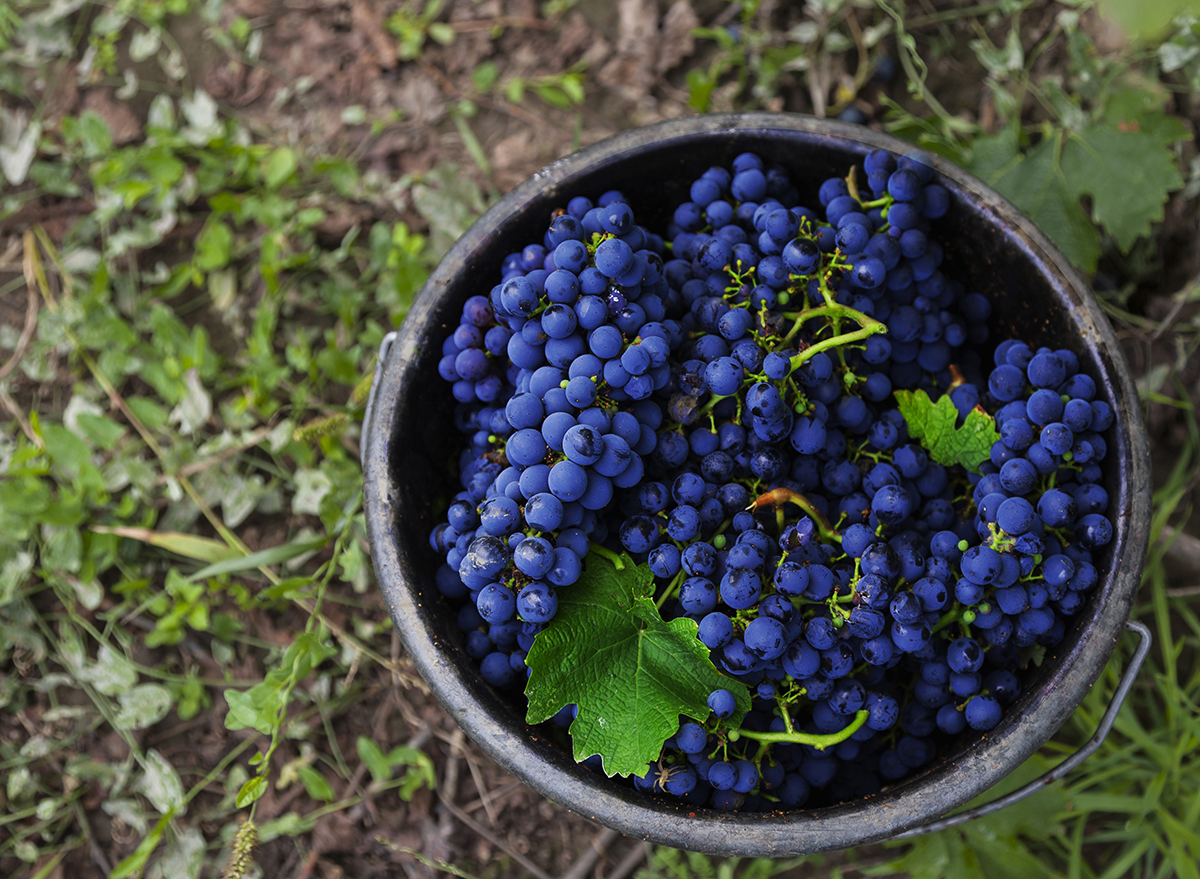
{"x": 197, "y": 469}
{"x": 1098, "y": 131}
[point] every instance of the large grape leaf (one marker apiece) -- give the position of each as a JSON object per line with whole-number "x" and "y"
{"x": 1123, "y": 162}
{"x": 609, "y": 651}
{"x": 1035, "y": 183}
{"x": 936, "y": 427}
{"x": 1141, "y": 107}
{"x": 1127, "y": 172}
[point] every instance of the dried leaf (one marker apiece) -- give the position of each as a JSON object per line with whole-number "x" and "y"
{"x": 202, "y": 549}
{"x": 161, "y": 784}
{"x": 676, "y": 42}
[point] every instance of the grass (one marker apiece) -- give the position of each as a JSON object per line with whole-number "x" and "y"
{"x": 180, "y": 507}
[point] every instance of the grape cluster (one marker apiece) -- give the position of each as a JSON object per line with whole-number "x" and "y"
{"x": 721, "y": 405}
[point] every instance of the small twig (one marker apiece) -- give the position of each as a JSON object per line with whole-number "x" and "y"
{"x": 936, "y": 17}
{"x": 598, "y": 845}
{"x": 353, "y": 670}
{"x": 499, "y": 105}
{"x": 31, "y": 310}
{"x": 178, "y": 728}
{"x": 8, "y": 260}
{"x": 818, "y": 84}
{"x": 339, "y": 632}
{"x": 190, "y": 644}
{"x": 98, "y": 857}
{"x": 448, "y": 789}
{"x": 1182, "y": 297}
{"x": 640, "y": 852}
{"x": 34, "y": 212}
{"x": 466, "y": 819}
{"x": 309, "y": 863}
{"x": 1183, "y": 552}
{"x": 728, "y": 14}
{"x": 194, "y": 467}
{"x": 10, "y": 405}
{"x": 94, "y": 849}
{"x": 776, "y": 497}
{"x": 282, "y": 804}
{"x": 862, "y": 71}
{"x": 486, "y": 24}
{"x": 486, "y": 796}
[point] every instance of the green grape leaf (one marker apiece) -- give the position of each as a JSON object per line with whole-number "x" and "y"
{"x": 609, "y": 651}
{"x": 1141, "y": 107}
{"x": 1127, "y": 170}
{"x": 936, "y": 426}
{"x": 1035, "y": 183}
{"x": 1123, "y": 162}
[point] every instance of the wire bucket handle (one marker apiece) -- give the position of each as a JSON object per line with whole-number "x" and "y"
{"x": 1043, "y": 781}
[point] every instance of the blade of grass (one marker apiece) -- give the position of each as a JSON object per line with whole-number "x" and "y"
{"x": 272, "y": 556}
{"x": 1178, "y": 830}
{"x": 202, "y": 549}
{"x": 50, "y": 866}
{"x": 470, "y": 141}
{"x": 1120, "y": 868}
{"x": 1104, "y": 802}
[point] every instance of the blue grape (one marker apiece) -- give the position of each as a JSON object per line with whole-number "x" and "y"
{"x": 904, "y": 184}
{"x": 1006, "y": 383}
{"x": 891, "y": 504}
{"x": 582, "y": 444}
{"x": 496, "y": 670}
{"x": 765, "y": 637}
{"x": 567, "y": 567}
{"x": 965, "y": 656}
{"x": 537, "y": 602}
{"x": 1046, "y": 370}
{"x": 724, "y": 376}
{"x": 495, "y": 603}
{"x": 568, "y": 481}
{"x": 1056, "y": 438}
{"x": 544, "y": 512}
{"x": 982, "y": 712}
{"x": 1093, "y": 531}
{"x": 1057, "y": 508}
{"x": 716, "y": 630}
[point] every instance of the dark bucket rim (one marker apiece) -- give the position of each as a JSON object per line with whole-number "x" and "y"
{"x": 528, "y": 754}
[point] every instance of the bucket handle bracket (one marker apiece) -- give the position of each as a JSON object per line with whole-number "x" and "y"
{"x": 1097, "y": 739}
{"x": 385, "y": 347}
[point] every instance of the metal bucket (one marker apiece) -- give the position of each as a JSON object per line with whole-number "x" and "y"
{"x": 412, "y": 447}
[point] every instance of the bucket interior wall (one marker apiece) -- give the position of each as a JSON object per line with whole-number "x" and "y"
{"x": 413, "y": 450}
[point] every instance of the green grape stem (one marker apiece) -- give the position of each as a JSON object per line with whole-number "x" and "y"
{"x": 956, "y": 615}
{"x": 777, "y": 497}
{"x": 820, "y": 742}
{"x": 868, "y": 327}
{"x": 599, "y": 550}
{"x": 835, "y": 311}
{"x": 672, "y": 589}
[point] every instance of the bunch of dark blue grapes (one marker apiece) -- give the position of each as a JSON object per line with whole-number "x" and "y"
{"x": 555, "y": 373}
{"x": 720, "y": 405}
